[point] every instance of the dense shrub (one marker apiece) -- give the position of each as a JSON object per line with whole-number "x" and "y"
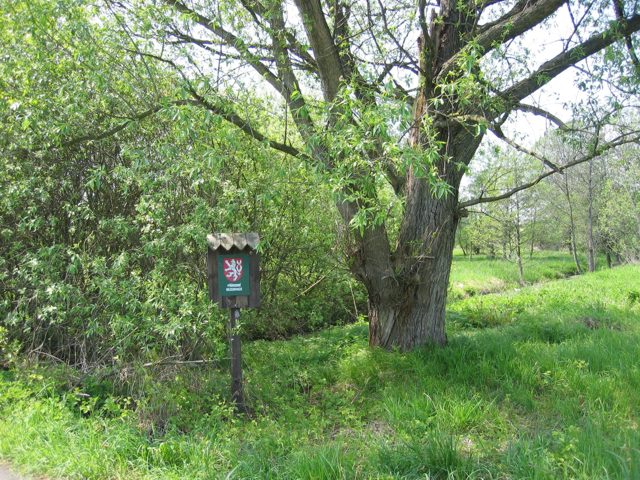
{"x": 103, "y": 246}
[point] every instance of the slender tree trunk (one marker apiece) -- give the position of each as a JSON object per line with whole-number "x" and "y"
{"x": 533, "y": 230}
{"x": 519, "y": 242}
{"x": 519, "y": 261}
{"x": 572, "y": 225}
{"x": 464, "y": 252}
{"x": 590, "y": 242}
{"x": 574, "y": 248}
{"x": 518, "y": 225}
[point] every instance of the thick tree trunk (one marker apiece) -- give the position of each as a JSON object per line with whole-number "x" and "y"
{"x": 407, "y": 287}
{"x": 411, "y": 310}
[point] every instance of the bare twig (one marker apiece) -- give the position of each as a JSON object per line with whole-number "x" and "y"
{"x": 311, "y": 287}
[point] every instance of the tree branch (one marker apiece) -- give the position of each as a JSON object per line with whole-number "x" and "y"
{"x": 291, "y": 91}
{"x": 330, "y": 66}
{"x": 232, "y": 117}
{"x": 621, "y": 140}
{"x": 524, "y": 107}
{"x": 521, "y": 18}
{"x": 554, "y": 67}
{"x": 618, "y": 7}
{"x": 231, "y": 40}
{"x": 399, "y": 46}
{"x": 94, "y": 137}
{"x": 257, "y": 9}
{"x": 497, "y": 131}
{"x": 224, "y": 112}
{"x": 524, "y": 16}
{"x": 502, "y": 25}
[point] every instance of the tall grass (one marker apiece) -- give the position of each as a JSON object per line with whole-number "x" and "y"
{"x": 540, "y": 383}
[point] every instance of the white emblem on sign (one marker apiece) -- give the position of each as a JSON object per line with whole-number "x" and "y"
{"x": 232, "y": 269}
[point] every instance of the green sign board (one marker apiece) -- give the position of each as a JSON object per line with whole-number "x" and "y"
{"x": 233, "y": 274}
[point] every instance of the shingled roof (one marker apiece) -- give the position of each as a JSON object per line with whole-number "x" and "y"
{"x": 229, "y": 240}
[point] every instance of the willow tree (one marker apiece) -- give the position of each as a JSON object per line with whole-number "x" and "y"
{"x": 389, "y": 100}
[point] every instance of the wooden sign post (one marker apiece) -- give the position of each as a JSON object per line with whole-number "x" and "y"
{"x": 233, "y": 273}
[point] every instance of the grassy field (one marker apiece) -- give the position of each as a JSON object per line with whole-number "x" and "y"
{"x": 481, "y": 275}
{"x": 539, "y": 383}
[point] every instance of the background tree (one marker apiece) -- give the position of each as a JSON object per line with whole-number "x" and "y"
{"x": 508, "y": 225}
{"x": 619, "y": 226}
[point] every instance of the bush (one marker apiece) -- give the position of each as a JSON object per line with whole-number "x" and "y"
{"x": 102, "y": 257}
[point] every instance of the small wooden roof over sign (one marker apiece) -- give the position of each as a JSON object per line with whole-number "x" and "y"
{"x": 227, "y": 241}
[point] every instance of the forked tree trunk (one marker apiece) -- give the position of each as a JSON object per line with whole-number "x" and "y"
{"x": 410, "y": 311}
{"x": 407, "y": 285}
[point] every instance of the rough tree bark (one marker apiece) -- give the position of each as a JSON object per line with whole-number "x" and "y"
{"x": 410, "y": 310}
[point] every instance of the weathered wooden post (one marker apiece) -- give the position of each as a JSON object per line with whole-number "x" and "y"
{"x": 233, "y": 271}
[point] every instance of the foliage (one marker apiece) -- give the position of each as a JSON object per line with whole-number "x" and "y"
{"x": 64, "y": 74}
{"x": 507, "y": 227}
{"x": 620, "y": 225}
{"x": 103, "y": 246}
{"x": 103, "y": 240}
{"x": 385, "y": 124}
{"x": 589, "y": 207}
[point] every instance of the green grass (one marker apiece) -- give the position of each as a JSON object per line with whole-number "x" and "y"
{"x": 540, "y": 383}
{"x": 481, "y": 274}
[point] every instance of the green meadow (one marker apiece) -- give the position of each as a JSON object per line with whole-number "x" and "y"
{"x": 481, "y": 274}
{"x": 540, "y": 382}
